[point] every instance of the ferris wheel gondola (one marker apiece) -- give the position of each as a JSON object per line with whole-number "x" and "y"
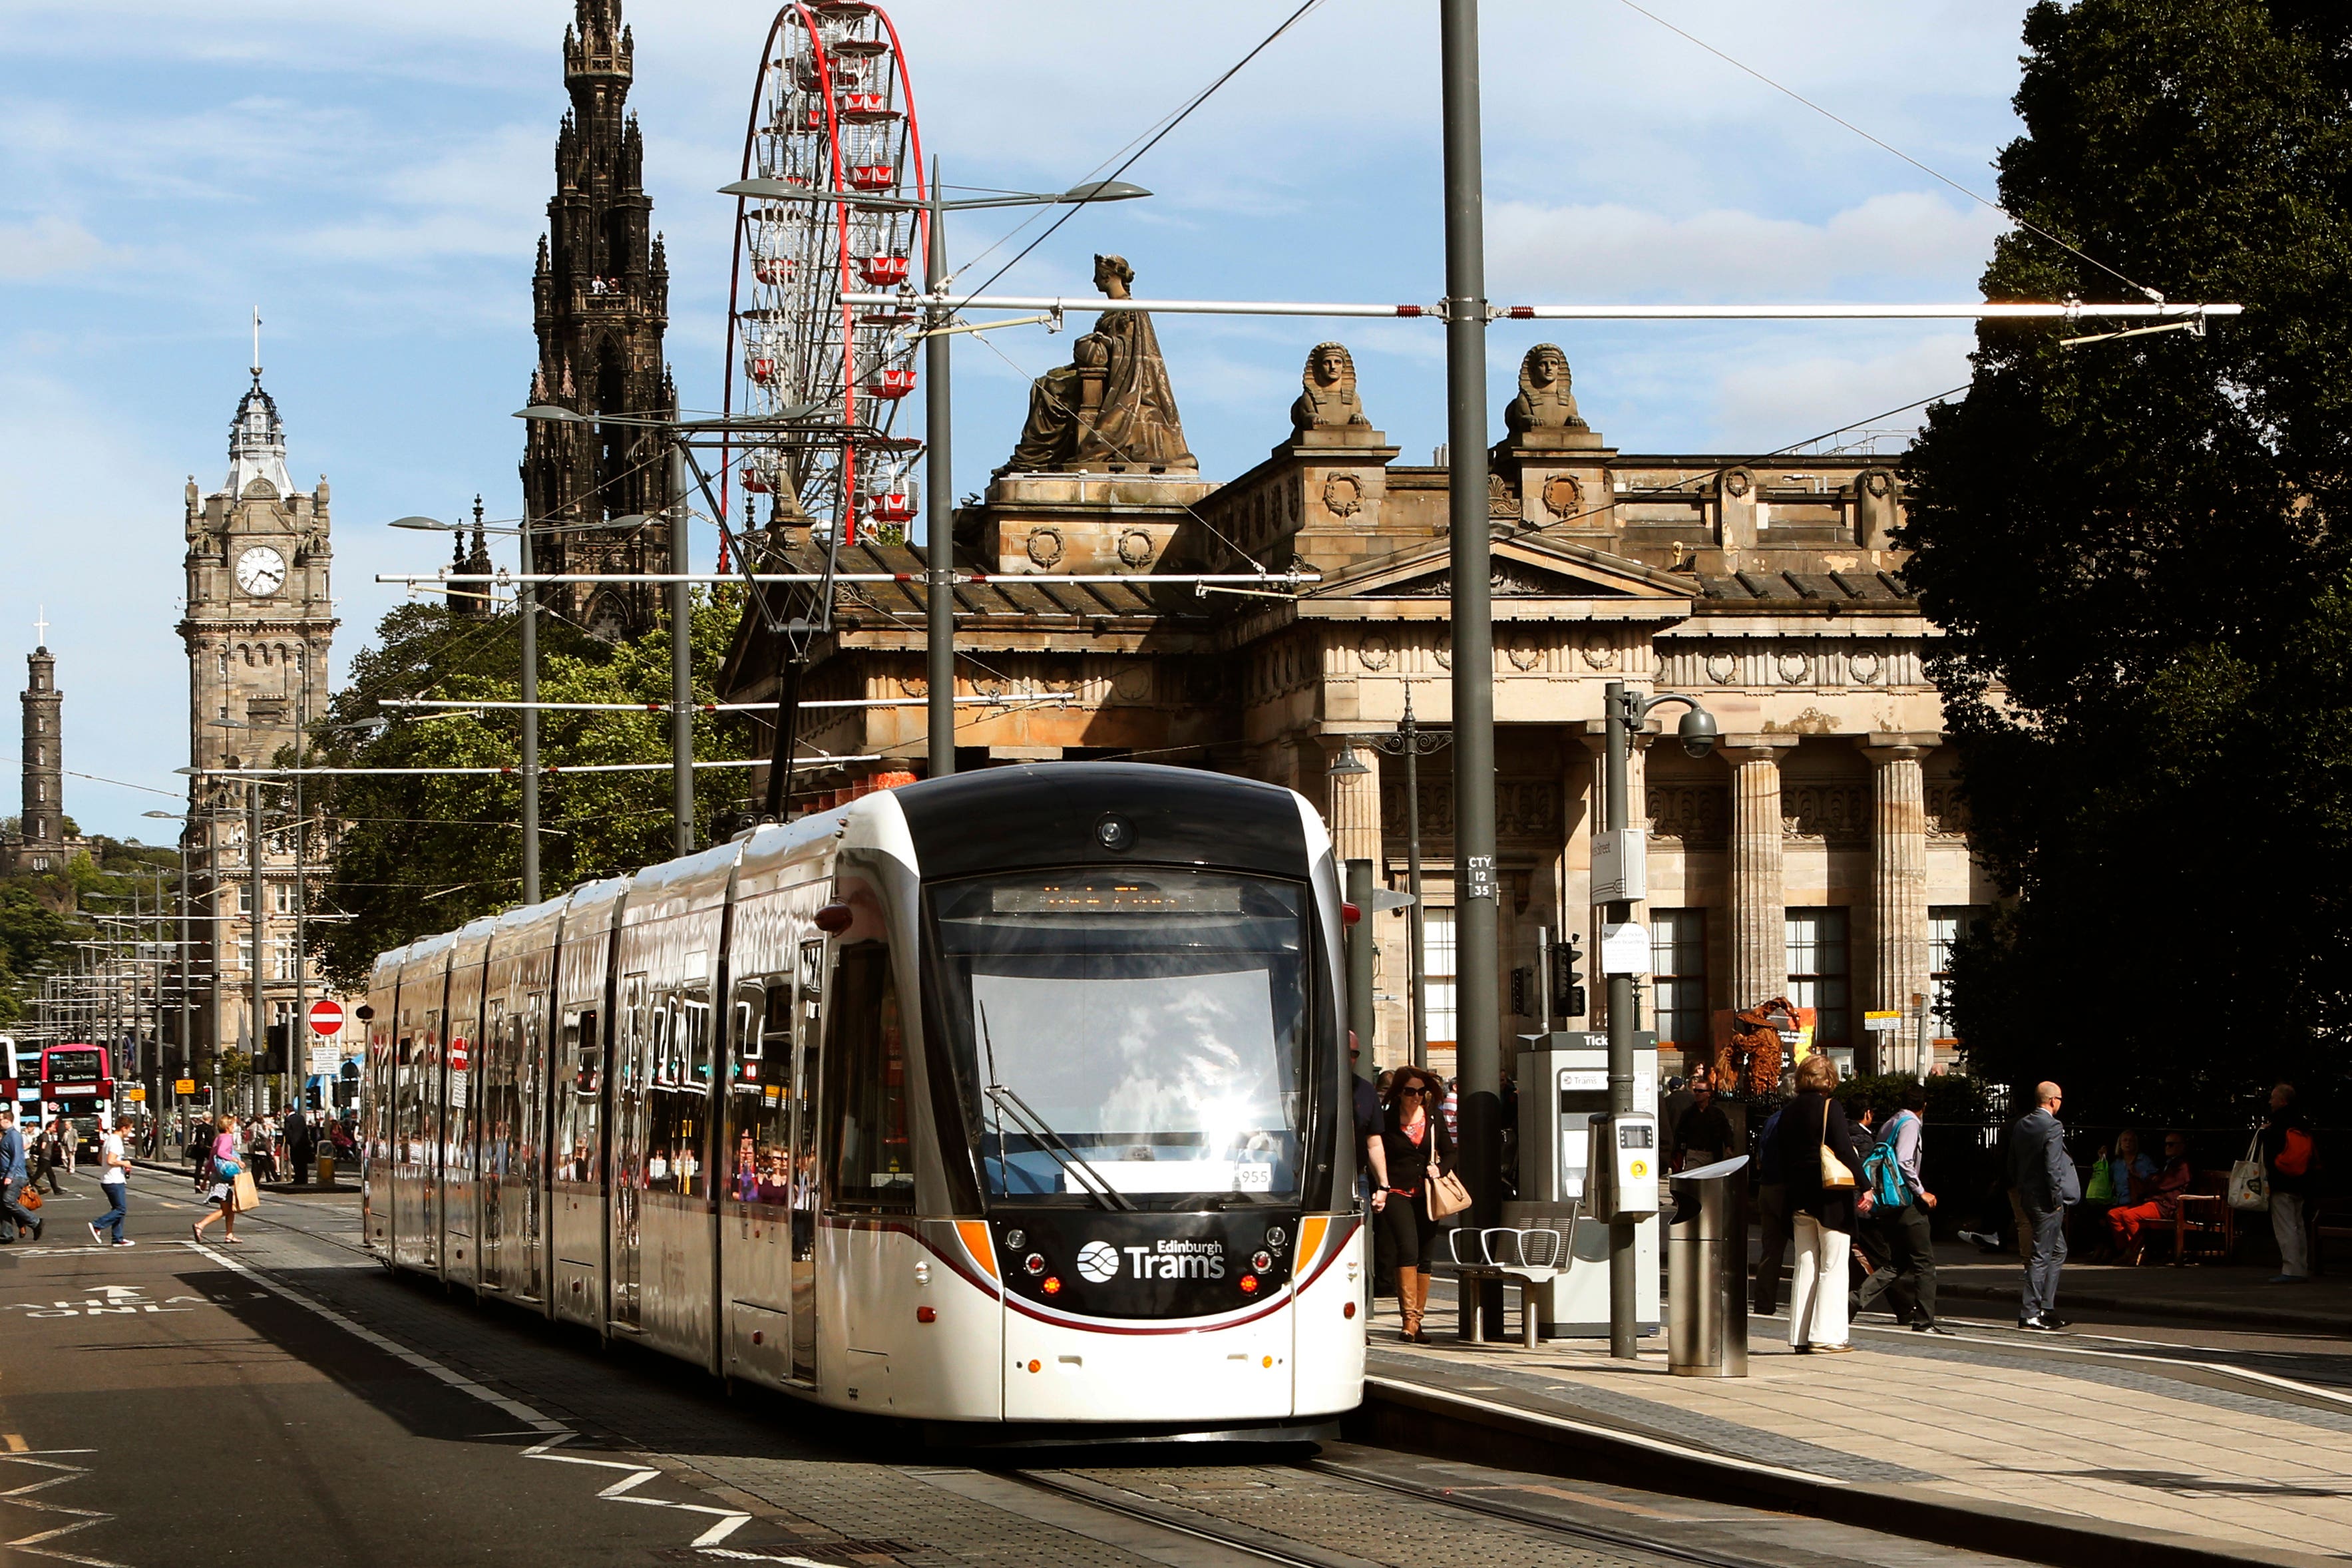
{"x": 832, "y": 115}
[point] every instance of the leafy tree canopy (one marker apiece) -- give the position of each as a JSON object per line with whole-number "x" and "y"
{"x": 2132, "y": 546}
{"x": 419, "y": 853}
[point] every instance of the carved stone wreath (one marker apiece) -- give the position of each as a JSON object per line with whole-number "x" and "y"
{"x": 1374, "y": 652}
{"x": 1343, "y": 495}
{"x": 1135, "y": 547}
{"x": 1865, "y": 667}
{"x": 1736, "y": 483}
{"x": 1524, "y": 650}
{"x": 1794, "y": 668}
{"x": 1562, "y": 496}
{"x": 1599, "y": 656}
{"x": 1721, "y": 667}
{"x": 1044, "y": 546}
{"x": 913, "y": 685}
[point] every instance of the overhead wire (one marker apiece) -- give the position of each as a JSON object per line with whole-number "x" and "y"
{"x": 1886, "y": 146}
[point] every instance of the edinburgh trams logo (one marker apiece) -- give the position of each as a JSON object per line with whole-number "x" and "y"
{"x": 1099, "y": 1261}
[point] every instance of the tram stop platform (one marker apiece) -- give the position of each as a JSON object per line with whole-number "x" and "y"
{"x": 2176, "y": 1442}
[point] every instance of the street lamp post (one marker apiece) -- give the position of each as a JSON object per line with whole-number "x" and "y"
{"x": 681, "y": 657}
{"x": 1626, "y": 712}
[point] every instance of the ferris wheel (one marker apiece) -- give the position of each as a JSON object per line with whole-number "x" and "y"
{"x": 832, "y": 114}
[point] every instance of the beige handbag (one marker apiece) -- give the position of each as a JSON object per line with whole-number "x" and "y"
{"x": 1444, "y": 1194}
{"x": 1833, "y": 1171}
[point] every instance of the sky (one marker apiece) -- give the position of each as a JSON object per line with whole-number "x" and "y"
{"x": 373, "y": 176}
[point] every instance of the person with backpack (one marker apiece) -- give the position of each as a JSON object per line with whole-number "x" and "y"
{"x": 227, "y": 1165}
{"x": 2288, "y": 1158}
{"x": 1901, "y": 1211}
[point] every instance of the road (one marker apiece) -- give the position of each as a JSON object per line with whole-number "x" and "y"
{"x": 286, "y": 1400}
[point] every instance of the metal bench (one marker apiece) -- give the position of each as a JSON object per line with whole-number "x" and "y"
{"x": 1532, "y": 1255}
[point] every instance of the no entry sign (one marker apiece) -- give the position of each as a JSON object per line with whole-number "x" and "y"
{"x": 326, "y": 1017}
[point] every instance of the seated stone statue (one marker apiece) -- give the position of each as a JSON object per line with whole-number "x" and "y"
{"x": 1544, "y": 402}
{"x": 1111, "y": 408}
{"x": 1327, "y": 399}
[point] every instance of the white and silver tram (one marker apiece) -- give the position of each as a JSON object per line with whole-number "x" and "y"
{"x": 1015, "y": 1097}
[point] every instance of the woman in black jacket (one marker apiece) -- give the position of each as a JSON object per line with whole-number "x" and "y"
{"x": 1820, "y": 1216}
{"x": 1415, "y": 1145}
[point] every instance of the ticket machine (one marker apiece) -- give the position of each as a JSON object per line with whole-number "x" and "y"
{"x": 1563, "y": 1086}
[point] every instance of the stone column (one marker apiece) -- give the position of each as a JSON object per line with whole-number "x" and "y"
{"x": 1759, "y": 952}
{"x": 1355, "y": 818}
{"x": 1898, "y": 885}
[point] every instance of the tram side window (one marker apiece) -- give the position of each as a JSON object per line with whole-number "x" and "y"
{"x": 576, "y": 1128}
{"x": 679, "y": 1101}
{"x": 404, "y": 1097}
{"x": 759, "y": 1095}
{"x": 873, "y": 1153}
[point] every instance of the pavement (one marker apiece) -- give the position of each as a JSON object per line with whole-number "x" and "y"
{"x": 2230, "y": 1294}
{"x": 2140, "y": 1427}
{"x": 286, "y": 1399}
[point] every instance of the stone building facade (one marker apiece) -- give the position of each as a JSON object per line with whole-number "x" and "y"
{"x": 259, "y": 626}
{"x": 1819, "y": 854}
{"x": 600, "y": 300}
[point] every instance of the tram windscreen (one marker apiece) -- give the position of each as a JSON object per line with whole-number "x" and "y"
{"x": 1137, "y": 1032}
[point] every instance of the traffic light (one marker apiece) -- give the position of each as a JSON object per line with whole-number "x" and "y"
{"x": 1519, "y": 988}
{"x": 273, "y": 1057}
{"x": 1566, "y": 980}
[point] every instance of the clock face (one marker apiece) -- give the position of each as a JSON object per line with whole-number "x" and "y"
{"x": 261, "y": 571}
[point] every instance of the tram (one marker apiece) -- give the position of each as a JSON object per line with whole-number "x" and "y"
{"x": 1014, "y": 1101}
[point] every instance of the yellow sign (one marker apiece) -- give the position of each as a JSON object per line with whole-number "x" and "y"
{"x": 134, "y": 1094}
{"x": 183, "y": 1086}
{"x": 1640, "y": 1169}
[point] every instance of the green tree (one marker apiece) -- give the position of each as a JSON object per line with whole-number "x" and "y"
{"x": 424, "y": 853}
{"x": 2132, "y": 547}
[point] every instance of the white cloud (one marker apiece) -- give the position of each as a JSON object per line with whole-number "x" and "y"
{"x": 1898, "y": 240}
{"x": 1761, "y": 405}
{"x": 47, "y": 245}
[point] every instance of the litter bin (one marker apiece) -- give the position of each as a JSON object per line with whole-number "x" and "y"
{"x": 1706, "y": 1272}
{"x": 326, "y": 1170}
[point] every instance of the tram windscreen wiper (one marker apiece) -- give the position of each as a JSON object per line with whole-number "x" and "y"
{"x": 1069, "y": 1159}
{"x": 1004, "y": 1100}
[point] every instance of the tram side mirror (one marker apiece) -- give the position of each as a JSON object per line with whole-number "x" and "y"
{"x": 834, "y": 919}
{"x": 1696, "y": 732}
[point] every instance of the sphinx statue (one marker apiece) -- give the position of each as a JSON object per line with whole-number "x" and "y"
{"x": 1544, "y": 402}
{"x": 1111, "y": 408}
{"x": 1327, "y": 397}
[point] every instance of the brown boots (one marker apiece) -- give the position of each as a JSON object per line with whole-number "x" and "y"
{"x": 1413, "y": 1302}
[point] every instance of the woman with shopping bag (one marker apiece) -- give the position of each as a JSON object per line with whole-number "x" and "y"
{"x": 228, "y": 1170}
{"x": 1422, "y": 1188}
{"x": 1816, "y": 1156}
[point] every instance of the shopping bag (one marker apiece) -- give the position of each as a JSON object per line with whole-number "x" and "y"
{"x": 1446, "y": 1194}
{"x": 247, "y": 1195}
{"x": 2250, "y": 1184}
{"x": 31, "y": 1199}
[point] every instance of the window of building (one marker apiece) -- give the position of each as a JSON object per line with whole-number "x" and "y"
{"x": 281, "y": 897}
{"x": 1947, "y": 924}
{"x": 1820, "y": 973}
{"x": 1679, "y": 976}
{"x": 1437, "y": 951}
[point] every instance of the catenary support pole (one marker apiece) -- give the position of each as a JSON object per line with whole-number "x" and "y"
{"x": 527, "y": 617}
{"x": 1477, "y": 1007}
{"x": 1417, "y": 918}
{"x": 938, "y": 517}
{"x": 681, "y": 659}
{"x": 1623, "y": 1234}
{"x": 254, "y": 925}
{"x": 187, "y": 989}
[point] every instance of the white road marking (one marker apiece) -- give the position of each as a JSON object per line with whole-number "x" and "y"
{"x": 31, "y": 1545}
{"x": 727, "y": 1521}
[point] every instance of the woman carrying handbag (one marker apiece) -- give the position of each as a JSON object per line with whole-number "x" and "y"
{"x": 1816, "y": 1153}
{"x": 1422, "y": 1189}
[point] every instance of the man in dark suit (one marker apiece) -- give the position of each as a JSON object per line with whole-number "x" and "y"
{"x": 2044, "y": 1176}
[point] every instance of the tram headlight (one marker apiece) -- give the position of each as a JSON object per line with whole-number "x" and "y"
{"x": 1116, "y": 834}
{"x": 1053, "y": 1286}
{"x": 1261, "y": 1261}
{"x": 1034, "y": 1263}
{"x": 1249, "y": 1284}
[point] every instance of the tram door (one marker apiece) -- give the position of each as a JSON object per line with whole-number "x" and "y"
{"x": 496, "y": 1159}
{"x": 755, "y": 1204}
{"x": 579, "y": 1177}
{"x": 528, "y": 1142}
{"x": 808, "y": 1031}
{"x": 635, "y": 1047}
{"x": 376, "y": 1133}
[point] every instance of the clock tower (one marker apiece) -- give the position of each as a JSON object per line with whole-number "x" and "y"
{"x": 259, "y": 627}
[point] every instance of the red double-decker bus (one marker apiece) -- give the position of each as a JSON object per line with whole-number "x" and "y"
{"x": 77, "y": 1079}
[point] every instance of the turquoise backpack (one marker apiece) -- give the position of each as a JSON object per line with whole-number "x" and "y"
{"x": 1888, "y": 1190}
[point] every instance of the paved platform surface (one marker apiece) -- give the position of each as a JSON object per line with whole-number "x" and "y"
{"x": 2236, "y": 1293}
{"x": 2239, "y": 1438}
{"x": 286, "y": 1400}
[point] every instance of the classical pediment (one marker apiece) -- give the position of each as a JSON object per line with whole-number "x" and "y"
{"x": 1528, "y": 573}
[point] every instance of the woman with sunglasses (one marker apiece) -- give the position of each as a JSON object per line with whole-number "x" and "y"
{"x": 1412, "y": 1146}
